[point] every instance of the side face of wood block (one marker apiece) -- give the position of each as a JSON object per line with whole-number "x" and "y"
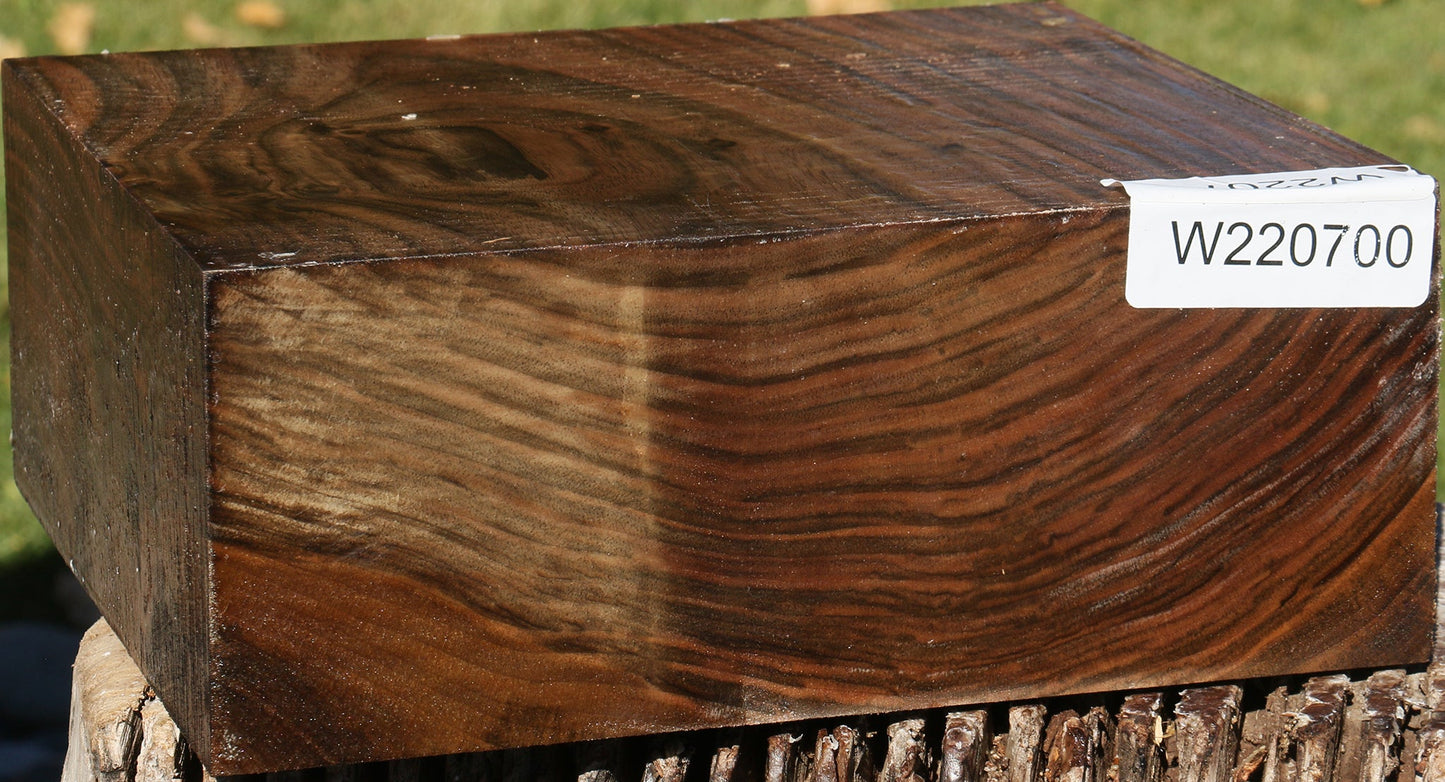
{"x": 110, "y": 425}
{"x": 527, "y": 389}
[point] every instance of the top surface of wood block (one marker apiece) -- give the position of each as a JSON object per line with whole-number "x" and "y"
{"x": 315, "y": 154}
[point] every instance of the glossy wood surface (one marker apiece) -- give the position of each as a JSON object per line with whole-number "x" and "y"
{"x": 581, "y": 385}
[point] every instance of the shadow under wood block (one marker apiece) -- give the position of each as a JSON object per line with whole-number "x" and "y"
{"x": 412, "y": 398}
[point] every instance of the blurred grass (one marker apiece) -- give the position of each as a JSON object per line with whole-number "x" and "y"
{"x": 1372, "y": 70}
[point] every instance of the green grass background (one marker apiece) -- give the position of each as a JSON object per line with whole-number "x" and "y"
{"x": 1372, "y": 70}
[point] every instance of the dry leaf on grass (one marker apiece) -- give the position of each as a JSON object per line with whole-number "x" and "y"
{"x": 1315, "y": 102}
{"x": 1422, "y": 127}
{"x": 260, "y": 13}
{"x": 10, "y": 47}
{"x": 199, "y": 31}
{"x": 821, "y": 7}
{"x": 71, "y": 26}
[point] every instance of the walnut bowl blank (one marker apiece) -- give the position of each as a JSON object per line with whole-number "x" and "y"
{"x": 397, "y": 399}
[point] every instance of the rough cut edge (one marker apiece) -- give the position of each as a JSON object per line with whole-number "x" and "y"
{"x": 1385, "y": 726}
{"x": 119, "y": 729}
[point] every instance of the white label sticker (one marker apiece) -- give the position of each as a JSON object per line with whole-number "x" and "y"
{"x": 1336, "y": 237}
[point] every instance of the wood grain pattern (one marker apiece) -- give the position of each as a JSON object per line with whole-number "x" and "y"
{"x": 532, "y": 389}
{"x": 371, "y": 151}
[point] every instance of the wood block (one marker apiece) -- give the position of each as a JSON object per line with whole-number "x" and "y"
{"x": 399, "y": 399}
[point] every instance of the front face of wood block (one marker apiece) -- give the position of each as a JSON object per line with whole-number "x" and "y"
{"x": 862, "y": 472}
{"x": 531, "y": 389}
